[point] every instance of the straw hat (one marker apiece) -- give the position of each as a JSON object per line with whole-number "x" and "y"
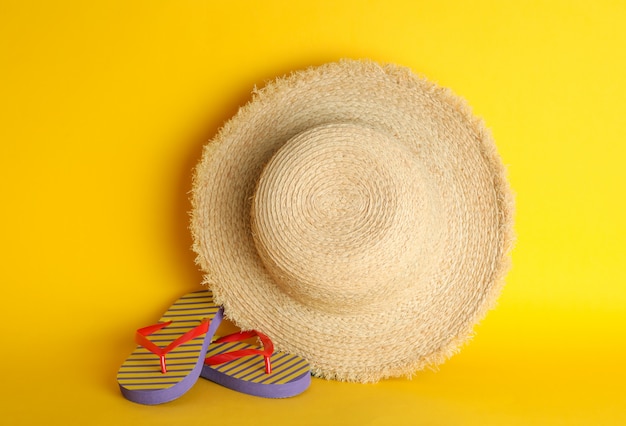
{"x": 356, "y": 214}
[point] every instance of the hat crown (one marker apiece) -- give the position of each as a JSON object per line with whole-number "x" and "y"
{"x": 335, "y": 216}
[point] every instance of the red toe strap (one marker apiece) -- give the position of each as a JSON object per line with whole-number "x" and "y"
{"x": 142, "y": 339}
{"x": 266, "y": 353}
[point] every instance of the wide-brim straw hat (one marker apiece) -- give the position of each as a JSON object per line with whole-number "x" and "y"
{"x": 358, "y": 215}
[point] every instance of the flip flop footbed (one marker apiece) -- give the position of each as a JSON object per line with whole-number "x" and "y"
{"x": 290, "y": 373}
{"x": 140, "y": 377}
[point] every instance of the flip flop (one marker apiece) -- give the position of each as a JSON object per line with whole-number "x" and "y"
{"x": 255, "y": 370}
{"x": 165, "y": 365}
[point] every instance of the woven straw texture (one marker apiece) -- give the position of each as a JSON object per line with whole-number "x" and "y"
{"x": 358, "y": 215}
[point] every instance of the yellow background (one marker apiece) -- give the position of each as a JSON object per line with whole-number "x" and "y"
{"x": 105, "y": 107}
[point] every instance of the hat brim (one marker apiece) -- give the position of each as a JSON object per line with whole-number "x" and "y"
{"x": 436, "y": 314}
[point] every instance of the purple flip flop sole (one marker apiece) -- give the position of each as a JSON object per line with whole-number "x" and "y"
{"x": 290, "y": 376}
{"x": 140, "y": 377}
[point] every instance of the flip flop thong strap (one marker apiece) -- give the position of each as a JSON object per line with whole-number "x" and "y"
{"x": 266, "y": 353}
{"x": 142, "y": 339}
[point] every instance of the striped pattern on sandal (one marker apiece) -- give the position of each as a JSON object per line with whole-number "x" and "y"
{"x": 140, "y": 377}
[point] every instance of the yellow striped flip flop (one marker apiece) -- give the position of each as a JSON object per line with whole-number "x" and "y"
{"x": 170, "y": 354}
{"x": 253, "y": 369}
